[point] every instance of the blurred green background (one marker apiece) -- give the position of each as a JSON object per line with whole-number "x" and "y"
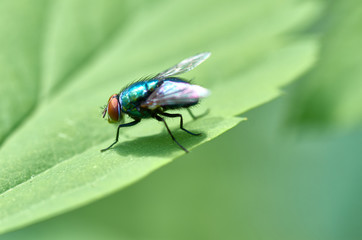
{"x": 292, "y": 171}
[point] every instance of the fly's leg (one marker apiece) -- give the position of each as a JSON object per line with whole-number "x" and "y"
{"x": 196, "y": 117}
{"x": 181, "y": 122}
{"x": 119, "y": 126}
{"x": 173, "y": 138}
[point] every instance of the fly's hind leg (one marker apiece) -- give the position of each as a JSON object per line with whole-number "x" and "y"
{"x": 169, "y": 132}
{"x": 181, "y": 122}
{"x": 199, "y": 116}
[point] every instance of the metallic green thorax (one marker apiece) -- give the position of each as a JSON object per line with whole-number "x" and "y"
{"x": 131, "y": 97}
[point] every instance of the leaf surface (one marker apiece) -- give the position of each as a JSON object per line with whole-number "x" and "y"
{"x": 52, "y": 162}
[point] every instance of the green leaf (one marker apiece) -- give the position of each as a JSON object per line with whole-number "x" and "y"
{"x": 331, "y": 91}
{"x": 20, "y": 49}
{"x": 52, "y": 162}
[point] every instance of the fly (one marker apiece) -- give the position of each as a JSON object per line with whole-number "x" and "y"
{"x": 152, "y": 97}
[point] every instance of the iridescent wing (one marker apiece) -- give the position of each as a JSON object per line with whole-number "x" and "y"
{"x": 172, "y": 93}
{"x": 185, "y": 65}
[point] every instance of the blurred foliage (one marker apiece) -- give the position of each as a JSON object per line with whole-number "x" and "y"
{"x": 260, "y": 181}
{"x": 330, "y": 93}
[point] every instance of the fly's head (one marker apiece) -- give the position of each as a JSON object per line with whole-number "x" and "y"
{"x": 113, "y": 109}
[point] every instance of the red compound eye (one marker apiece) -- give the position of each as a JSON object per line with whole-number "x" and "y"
{"x": 114, "y": 109}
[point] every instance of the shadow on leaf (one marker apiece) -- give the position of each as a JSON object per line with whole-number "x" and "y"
{"x": 158, "y": 145}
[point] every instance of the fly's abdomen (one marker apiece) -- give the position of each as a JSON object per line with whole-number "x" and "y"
{"x": 175, "y": 93}
{"x": 182, "y": 105}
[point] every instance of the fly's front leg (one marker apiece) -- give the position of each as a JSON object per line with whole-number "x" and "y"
{"x": 119, "y": 126}
{"x": 181, "y": 122}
